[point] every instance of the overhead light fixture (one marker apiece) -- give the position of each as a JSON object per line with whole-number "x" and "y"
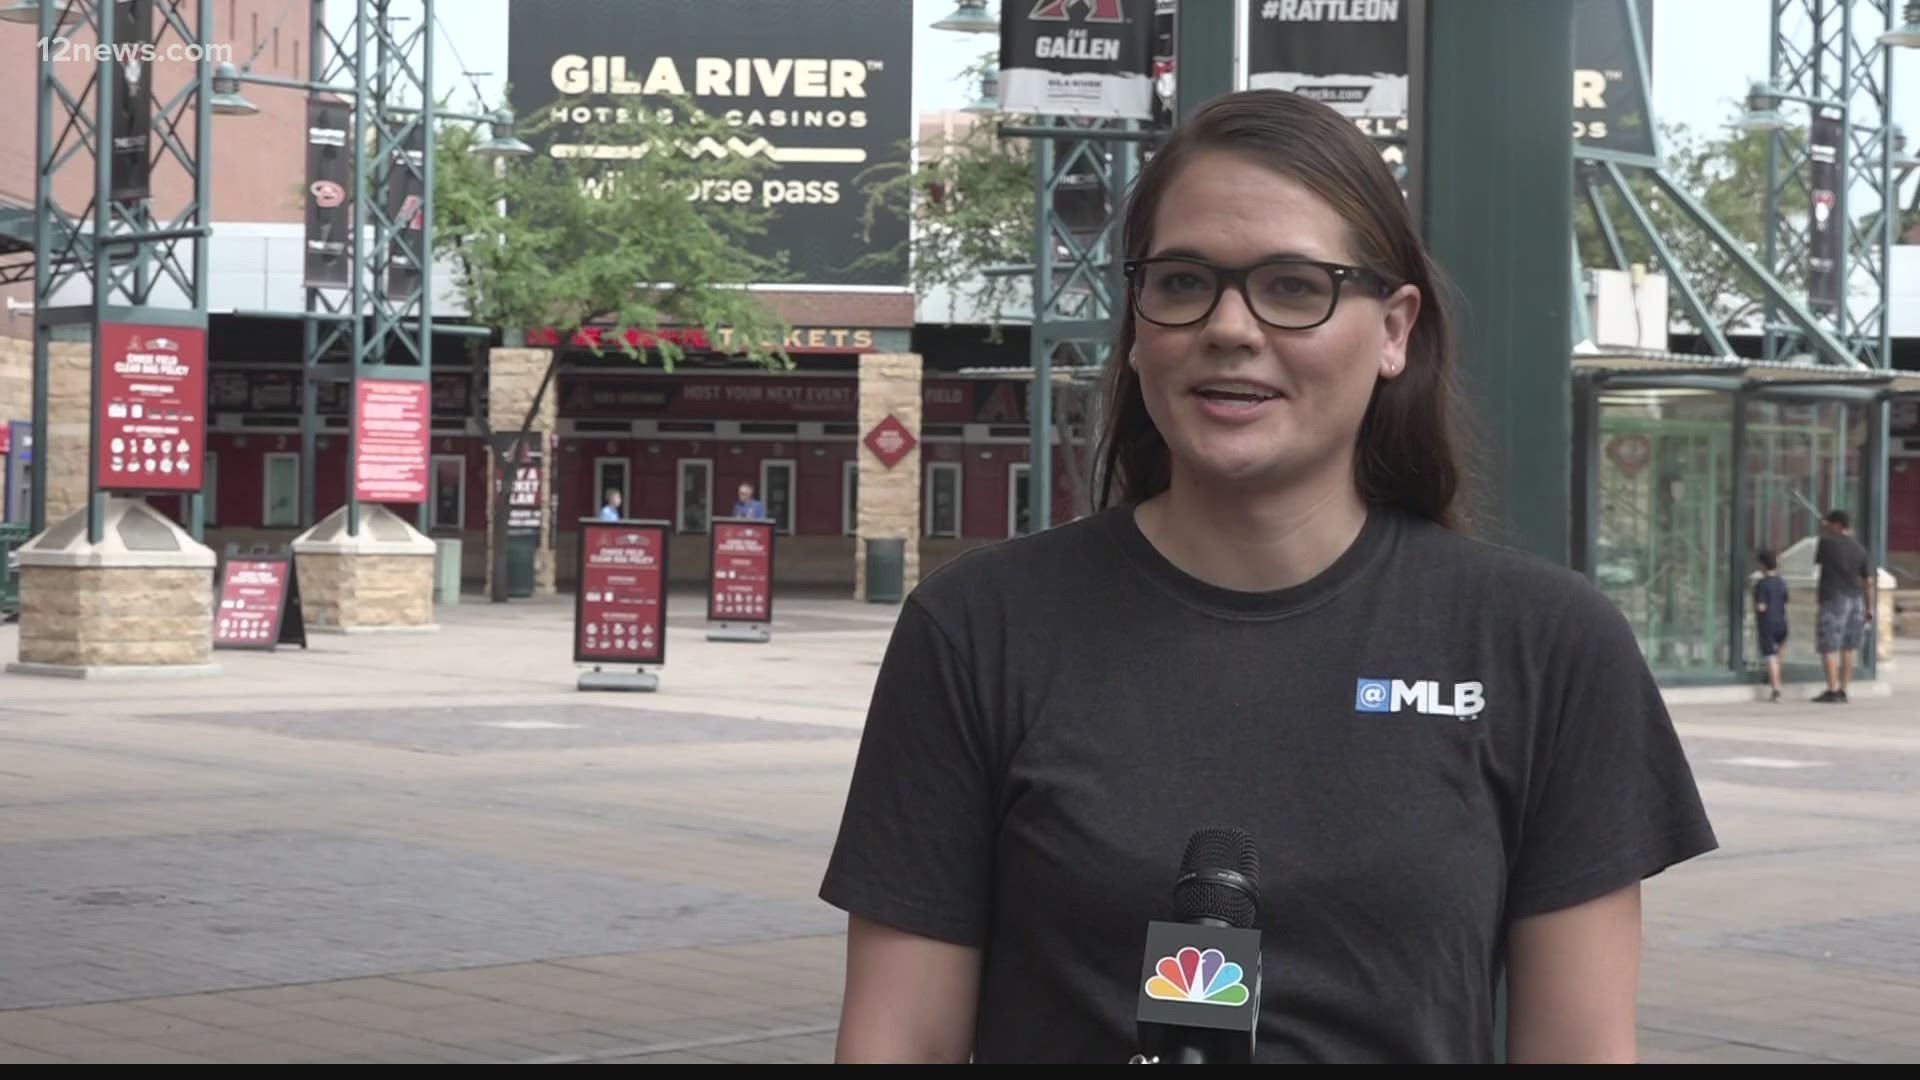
{"x": 227, "y": 99}
{"x": 1763, "y": 110}
{"x": 28, "y": 12}
{"x": 970, "y": 18}
{"x": 988, "y": 102}
{"x": 504, "y": 143}
{"x": 1903, "y": 158}
{"x": 1906, "y": 35}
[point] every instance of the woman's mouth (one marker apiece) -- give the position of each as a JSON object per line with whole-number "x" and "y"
{"x": 1235, "y": 400}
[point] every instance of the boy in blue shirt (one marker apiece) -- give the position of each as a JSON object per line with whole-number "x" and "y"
{"x": 1770, "y": 613}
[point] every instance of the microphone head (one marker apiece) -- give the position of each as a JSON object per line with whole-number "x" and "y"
{"x": 1219, "y": 878}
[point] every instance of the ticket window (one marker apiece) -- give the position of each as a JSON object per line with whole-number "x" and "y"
{"x": 695, "y": 495}
{"x": 943, "y": 499}
{"x": 281, "y": 495}
{"x": 776, "y": 493}
{"x": 1019, "y": 499}
{"x": 449, "y": 493}
{"x": 612, "y": 474}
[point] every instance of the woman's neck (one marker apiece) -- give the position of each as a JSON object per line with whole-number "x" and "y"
{"x": 1253, "y": 541}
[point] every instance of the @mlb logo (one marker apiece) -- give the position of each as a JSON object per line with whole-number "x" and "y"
{"x": 1420, "y": 695}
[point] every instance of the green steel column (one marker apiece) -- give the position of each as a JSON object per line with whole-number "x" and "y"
{"x": 1040, "y": 344}
{"x": 1498, "y": 184}
{"x": 1203, "y": 39}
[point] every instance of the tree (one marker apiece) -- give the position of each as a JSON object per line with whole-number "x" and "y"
{"x": 1728, "y": 175}
{"x": 606, "y": 252}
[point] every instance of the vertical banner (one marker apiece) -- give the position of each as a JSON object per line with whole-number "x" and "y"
{"x": 1083, "y": 58}
{"x": 152, "y": 408}
{"x": 1826, "y": 233}
{"x": 328, "y": 193}
{"x": 132, "y": 100}
{"x": 620, "y": 602}
{"x": 740, "y": 578}
{"x": 1164, "y": 55}
{"x": 524, "y": 505}
{"x": 390, "y": 433}
{"x": 406, "y": 207}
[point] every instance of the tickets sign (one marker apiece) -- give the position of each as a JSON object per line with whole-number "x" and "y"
{"x": 740, "y": 588}
{"x": 390, "y": 433}
{"x": 619, "y": 604}
{"x": 152, "y": 407}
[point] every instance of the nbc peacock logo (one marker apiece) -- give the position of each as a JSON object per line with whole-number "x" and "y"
{"x": 1192, "y": 975}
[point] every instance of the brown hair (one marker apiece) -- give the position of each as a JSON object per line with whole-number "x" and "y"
{"x": 1407, "y": 452}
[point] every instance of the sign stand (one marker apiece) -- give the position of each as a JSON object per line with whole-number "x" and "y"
{"x": 259, "y": 602}
{"x": 740, "y": 580}
{"x": 620, "y": 603}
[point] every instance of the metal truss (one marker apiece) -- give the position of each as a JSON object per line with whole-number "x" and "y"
{"x": 1824, "y": 54}
{"x": 117, "y": 246}
{"x": 1081, "y": 172}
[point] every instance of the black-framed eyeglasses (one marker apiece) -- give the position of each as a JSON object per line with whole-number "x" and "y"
{"x": 1286, "y": 294}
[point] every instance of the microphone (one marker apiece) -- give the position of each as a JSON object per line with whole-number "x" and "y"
{"x": 1199, "y": 1000}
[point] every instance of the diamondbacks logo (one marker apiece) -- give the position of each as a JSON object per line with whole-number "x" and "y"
{"x": 1421, "y": 696}
{"x": 1098, "y": 11}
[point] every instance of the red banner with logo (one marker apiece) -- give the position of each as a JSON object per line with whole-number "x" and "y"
{"x": 152, "y": 407}
{"x": 740, "y": 588}
{"x": 619, "y": 604}
{"x": 390, "y": 433}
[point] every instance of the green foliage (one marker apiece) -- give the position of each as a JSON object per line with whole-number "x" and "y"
{"x": 625, "y": 240}
{"x": 969, "y": 199}
{"x": 1728, "y": 175}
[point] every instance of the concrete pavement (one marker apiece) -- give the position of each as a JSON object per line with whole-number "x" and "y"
{"x": 433, "y": 848}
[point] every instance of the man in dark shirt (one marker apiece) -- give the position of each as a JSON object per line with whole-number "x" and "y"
{"x": 1846, "y": 601}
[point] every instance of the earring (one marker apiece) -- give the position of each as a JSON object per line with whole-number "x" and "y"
{"x": 1133, "y": 358}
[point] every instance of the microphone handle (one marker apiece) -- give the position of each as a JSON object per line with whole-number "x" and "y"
{"x": 1188, "y": 1055}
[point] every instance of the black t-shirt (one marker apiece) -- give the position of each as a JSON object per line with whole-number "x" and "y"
{"x": 1055, "y": 716}
{"x": 1843, "y": 567}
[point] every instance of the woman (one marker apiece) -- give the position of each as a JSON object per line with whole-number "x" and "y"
{"x": 1451, "y": 757}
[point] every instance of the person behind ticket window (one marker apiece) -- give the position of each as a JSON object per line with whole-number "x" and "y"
{"x": 610, "y": 509}
{"x": 746, "y": 506}
{"x": 1452, "y": 758}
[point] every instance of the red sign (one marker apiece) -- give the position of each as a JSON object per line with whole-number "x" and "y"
{"x": 776, "y": 397}
{"x": 253, "y": 601}
{"x": 152, "y": 407}
{"x": 741, "y": 586}
{"x": 619, "y": 604}
{"x": 6, "y": 439}
{"x": 890, "y": 441}
{"x": 390, "y": 433}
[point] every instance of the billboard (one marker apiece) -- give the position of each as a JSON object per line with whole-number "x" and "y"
{"x": 1084, "y": 58}
{"x": 820, "y": 89}
{"x": 328, "y": 198}
{"x": 1352, "y": 55}
{"x": 619, "y": 605}
{"x": 152, "y": 408}
{"x": 390, "y": 432}
{"x": 406, "y": 206}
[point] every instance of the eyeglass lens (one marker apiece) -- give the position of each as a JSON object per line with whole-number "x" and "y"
{"x": 1284, "y": 294}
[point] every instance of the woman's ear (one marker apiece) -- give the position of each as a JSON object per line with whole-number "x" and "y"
{"x": 1402, "y": 311}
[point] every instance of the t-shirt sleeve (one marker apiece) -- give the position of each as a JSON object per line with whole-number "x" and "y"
{"x": 914, "y": 850}
{"x": 1611, "y": 799}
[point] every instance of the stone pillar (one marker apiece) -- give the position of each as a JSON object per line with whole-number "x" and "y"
{"x": 69, "y": 405}
{"x": 140, "y": 602}
{"x": 16, "y": 379}
{"x": 380, "y": 580}
{"x": 889, "y": 498}
{"x": 513, "y": 378}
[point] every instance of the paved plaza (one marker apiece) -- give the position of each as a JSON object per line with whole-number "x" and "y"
{"x": 433, "y": 848}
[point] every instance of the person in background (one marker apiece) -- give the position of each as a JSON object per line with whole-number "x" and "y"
{"x": 747, "y": 506}
{"x": 610, "y": 509}
{"x": 1770, "y": 614}
{"x": 1846, "y": 602}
